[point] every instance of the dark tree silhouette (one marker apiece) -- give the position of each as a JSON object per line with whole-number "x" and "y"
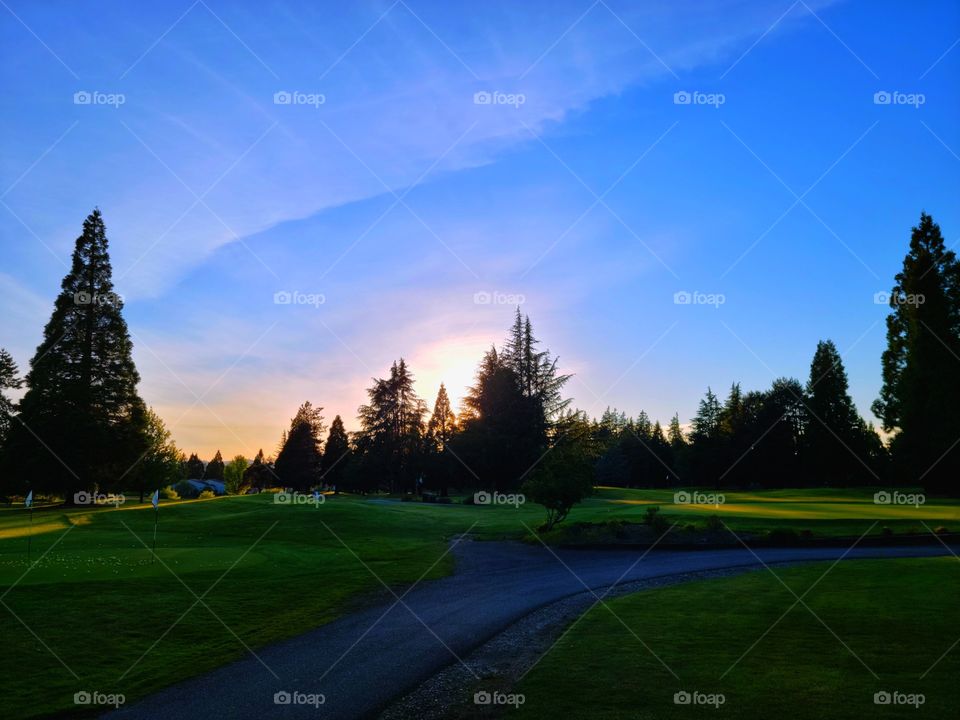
{"x": 9, "y": 380}
{"x": 336, "y": 454}
{"x": 299, "y": 461}
{"x": 390, "y": 440}
{"x": 921, "y": 373}
{"x": 837, "y": 446}
{"x": 440, "y": 463}
{"x": 214, "y": 469}
{"x": 195, "y": 467}
{"x": 82, "y": 419}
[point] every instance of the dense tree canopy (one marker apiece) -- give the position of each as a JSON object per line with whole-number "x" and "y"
{"x": 299, "y": 461}
{"x": 921, "y": 369}
{"x": 81, "y": 422}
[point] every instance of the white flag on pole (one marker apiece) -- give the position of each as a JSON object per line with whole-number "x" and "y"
{"x": 155, "y": 500}
{"x": 29, "y": 500}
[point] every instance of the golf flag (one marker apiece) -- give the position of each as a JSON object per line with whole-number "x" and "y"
{"x": 316, "y": 498}
{"x": 29, "y": 501}
{"x": 155, "y": 500}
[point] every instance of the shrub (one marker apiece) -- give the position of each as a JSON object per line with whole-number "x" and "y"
{"x": 206, "y": 495}
{"x": 168, "y": 493}
{"x": 185, "y": 490}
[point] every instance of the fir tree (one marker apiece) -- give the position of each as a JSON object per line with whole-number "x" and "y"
{"x": 336, "y": 454}
{"x": 83, "y": 423}
{"x": 921, "y": 382}
{"x": 9, "y": 380}
{"x": 195, "y": 468}
{"x": 299, "y": 461}
{"x": 835, "y": 437}
{"x": 214, "y": 469}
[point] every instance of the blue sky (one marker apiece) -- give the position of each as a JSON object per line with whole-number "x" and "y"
{"x": 399, "y": 199}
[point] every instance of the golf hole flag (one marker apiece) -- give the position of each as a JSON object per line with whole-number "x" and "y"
{"x": 29, "y": 500}
{"x": 155, "y": 500}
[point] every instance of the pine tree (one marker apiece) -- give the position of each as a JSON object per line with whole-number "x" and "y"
{"x": 259, "y": 475}
{"x": 214, "y": 469}
{"x": 835, "y": 438}
{"x": 921, "y": 382}
{"x": 440, "y": 430}
{"x": 503, "y": 430}
{"x": 195, "y": 467}
{"x": 391, "y": 432}
{"x": 706, "y": 424}
{"x": 442, "y": 423}
{"x": 535, "y": 370}
{"x": 299, "y": 461}
{"x": 9, "y": 380}
{"x": 675, "y": 432}
{"x": 82, "y": 419}
{"x": 336, "y": 454}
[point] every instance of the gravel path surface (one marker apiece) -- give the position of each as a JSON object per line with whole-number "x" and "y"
{"x": 361, "y": 663}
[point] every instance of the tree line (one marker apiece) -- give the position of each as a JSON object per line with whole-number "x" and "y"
{"x": 81, "y": 424}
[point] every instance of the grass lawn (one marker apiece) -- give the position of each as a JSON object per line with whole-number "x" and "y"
{"x": 897, "y": 616}
{"x": 97, "y": 603}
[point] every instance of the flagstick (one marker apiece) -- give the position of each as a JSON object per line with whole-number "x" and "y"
{"x": 30, "y": 534}
{"x": 156, "y": 519}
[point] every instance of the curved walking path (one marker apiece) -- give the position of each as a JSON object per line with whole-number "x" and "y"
{"x": 364, "y": 660}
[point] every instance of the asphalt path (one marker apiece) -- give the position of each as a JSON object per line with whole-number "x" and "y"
{"x": 364, "y": 660}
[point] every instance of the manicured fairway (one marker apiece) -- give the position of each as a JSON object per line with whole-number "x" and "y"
{"x": 95, "y": 614}
{"x": 894, "y": 618}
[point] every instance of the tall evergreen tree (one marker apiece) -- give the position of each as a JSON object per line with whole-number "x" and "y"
{"x": 441, "y": 465}
{"x": 443, "y": 422}
{"x": 336, "y": 454}
{"x": 83, "y": 423}
{"x": 675, "y": 433}
{"x": 835, "y": 438}
{"x": 214, "y": 469}
{"x": 299, "y": 461}
{"x": 391, "y": 434}
{"x": 9, "y": 380}
{"x": 259, "y": 475}
{"x": 195, "y": 467}
{"x": 921, "y": 375}
{"x": 503, "y": 430}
